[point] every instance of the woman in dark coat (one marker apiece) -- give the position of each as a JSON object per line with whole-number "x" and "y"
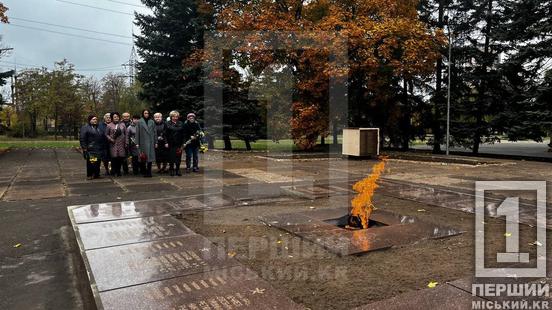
{"x": 92, "y": 143}
{"x": 116, "y": 135}
{"x": 133, "y": 151}
{"x": 161, "y": 145}
{"x": 175, "y": 138}
{"x": 145, "y": 139}
{"x": 192, "y": 136}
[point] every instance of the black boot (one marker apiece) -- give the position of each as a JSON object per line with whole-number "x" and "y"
{"x": 178, "y": 171}
{"x": 148, "y": 171}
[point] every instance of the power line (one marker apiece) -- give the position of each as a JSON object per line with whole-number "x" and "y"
{"x": 70, "y": 27}
{"x": 95, "y": 7}
{"x": 69, "y": 34}
{"x": 21, "y": 65}
{"x": 130, "y": 4}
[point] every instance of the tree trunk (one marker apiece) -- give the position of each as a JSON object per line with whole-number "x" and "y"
{"x": 406, "y": 126}
{"x": 322, "y": 141}
{"x": 210, "y": 142}
{"x": 437, "y": 98}
{"x": 32, "y": 131}
{"x": 227, "y": 143}
{"x": 55, "y": 126}
{"x": 335, "y": 134}
{"x": 479, "y": 112}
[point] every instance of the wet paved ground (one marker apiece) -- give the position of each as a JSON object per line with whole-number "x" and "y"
{"x": 36, "y": 186}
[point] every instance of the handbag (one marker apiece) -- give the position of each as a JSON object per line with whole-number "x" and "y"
{"x": 143, "y": 157}
{"x": 179, "y": 151}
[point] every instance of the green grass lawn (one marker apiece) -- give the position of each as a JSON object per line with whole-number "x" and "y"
{"x": 239, "y": 145}
{"x": 260, "y": 145}
{"x": 286, "y": 145}
{"x": 36, "y": 143}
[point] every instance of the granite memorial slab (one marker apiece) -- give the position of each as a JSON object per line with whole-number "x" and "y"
{"x": 229, "y": 288}
{"x": 142, "y": 208}
{"x": 327, "y": 228}
{"x": 140, "y": 263}
{"x": 112, "y": 233}
{"x": 116, "y": 211}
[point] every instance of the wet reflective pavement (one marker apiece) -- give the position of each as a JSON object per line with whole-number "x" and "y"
{"x": 137, "y": 256}
{"x": 231, "y": 288}
{"x": 135, "y": 209}
{"x": 320, "y": 227}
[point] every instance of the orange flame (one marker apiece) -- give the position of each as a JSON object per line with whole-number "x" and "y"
{"x": 362, "y": 206}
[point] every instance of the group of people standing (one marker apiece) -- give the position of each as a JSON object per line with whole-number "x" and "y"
{"x": 142, "y": 139}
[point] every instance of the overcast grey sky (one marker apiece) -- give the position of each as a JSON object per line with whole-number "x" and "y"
{"x": 36, "y": 47}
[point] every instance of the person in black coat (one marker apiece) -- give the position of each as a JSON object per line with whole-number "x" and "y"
{"x": 92, "y": 145}
{"x": 161, "y": 145}
{"x": 192, "y": 136}
{"x": 175, "y": 139}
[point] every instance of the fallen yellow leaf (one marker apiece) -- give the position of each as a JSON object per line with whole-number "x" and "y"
{"x": 432, "y": 284}
{"x": 507, "y": 234}
{"x": 17, "y": 245}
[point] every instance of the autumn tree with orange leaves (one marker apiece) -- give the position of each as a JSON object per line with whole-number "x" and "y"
{"x": 3, "y": 75}
{"x": 3, "y": 10}
{"x": 386, "y": 43}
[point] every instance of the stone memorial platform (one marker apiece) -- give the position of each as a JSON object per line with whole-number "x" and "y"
{"x": 138, "y": 256}
{"x": 326, "y": 227}
{"x": 318, "y": 191}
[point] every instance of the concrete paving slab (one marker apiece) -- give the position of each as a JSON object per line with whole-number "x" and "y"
{"x": 154, "y": 187}
{"x": 29, "y": 192}
{"x": 93, "y": 188}
{"x": 263, "y": 176}
{"x": 37, "y": 281}
{"x": 441, "y": 297}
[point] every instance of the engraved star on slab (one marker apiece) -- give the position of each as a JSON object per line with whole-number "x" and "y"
{"x": 258, "y": 291}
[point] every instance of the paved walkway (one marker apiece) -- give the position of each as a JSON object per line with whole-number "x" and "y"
{"x": 519, "y": 148}
{"x": 38, "y": 264}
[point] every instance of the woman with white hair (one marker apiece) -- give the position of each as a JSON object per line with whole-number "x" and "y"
{"x": 175, "y": 138}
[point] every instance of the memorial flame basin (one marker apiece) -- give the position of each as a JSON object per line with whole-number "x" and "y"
{"x": 327, "y": 228}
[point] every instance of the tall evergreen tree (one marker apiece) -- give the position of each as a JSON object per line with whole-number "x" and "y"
{"x": 169, "y": 36}
{"x": 527, "y": 33}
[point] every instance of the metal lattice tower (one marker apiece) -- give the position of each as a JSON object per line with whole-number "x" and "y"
{"x": 131, "y": 65}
